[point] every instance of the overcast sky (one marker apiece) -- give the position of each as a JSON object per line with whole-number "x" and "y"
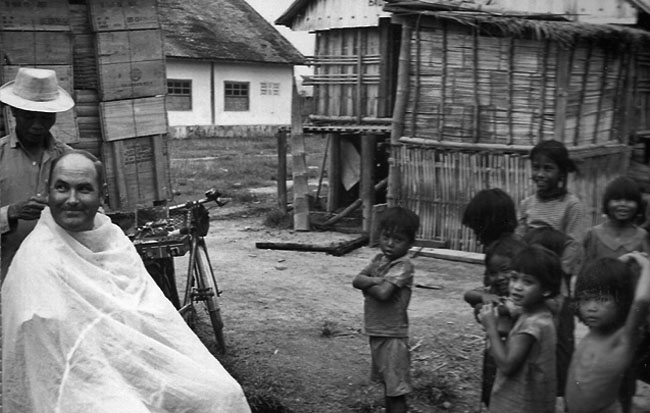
{"x": 271, "y": 10}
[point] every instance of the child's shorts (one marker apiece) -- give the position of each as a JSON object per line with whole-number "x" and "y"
{"x": 391, "y": 364}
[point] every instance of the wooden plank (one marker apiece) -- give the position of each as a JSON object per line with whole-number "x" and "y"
{"x": 50, "y": 15}
{"x": 337, "y": 250}
{"x": 299, "y": 167}
{"x": 108, "y": 15}
{"x": 281, "y": 136}
{"x": 367, "y": 186}
{"x": 36, "y": 47}
{"x": 451, "y": 255}
{"x": 131, "y": 118}
{"x": 130, "y": 64}
{"x": 137, "y": 172}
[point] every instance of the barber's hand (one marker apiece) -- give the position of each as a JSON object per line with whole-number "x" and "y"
{"x": 27, "y": 210}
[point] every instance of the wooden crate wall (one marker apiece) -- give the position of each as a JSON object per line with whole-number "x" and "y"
{"x": 108, "y": 54}
{"x": 469, "y": 86}
{"x": 437, "y": 183}
{"x": 131, "y": 88}
{"x": 38, "y": 34}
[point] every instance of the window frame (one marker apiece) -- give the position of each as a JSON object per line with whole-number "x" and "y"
{"x": 179, "y": 99}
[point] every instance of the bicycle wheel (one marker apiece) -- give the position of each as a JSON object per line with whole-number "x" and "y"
{"x": 208, "y": 291}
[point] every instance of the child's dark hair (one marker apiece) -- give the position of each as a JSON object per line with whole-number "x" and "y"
{"x": 547, "y": 237}
{"x": 542, "y": 264}
{"x": 399, "y": 219}
{"x": 623, "y": 187}
{"x": 490, "y": 214}
{"x": 607, "y": 275}
{"x": 557, "y": 152}
{"x": 506, "y": 246}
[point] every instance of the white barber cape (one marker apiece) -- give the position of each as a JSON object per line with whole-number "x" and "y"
{"x": 86, "y": 329}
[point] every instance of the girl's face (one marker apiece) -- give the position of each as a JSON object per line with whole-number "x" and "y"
{"x": 546, "y": 175}
{"x": 623, "y": 210}
{"x": 525, "y": 290}
{"x": 497, "y": 273}
{"x": 598, "y": 311}
{"x": 394, "y": 244}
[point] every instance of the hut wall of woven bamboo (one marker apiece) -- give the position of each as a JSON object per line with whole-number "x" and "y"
{"x": 482, "y": 92}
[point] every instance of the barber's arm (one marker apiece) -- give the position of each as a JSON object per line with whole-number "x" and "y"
{"x": 27, "y": 210}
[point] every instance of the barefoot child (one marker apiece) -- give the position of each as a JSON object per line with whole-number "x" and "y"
{"x": 498, "y": 265}
{"x": 386, "y": 283}
{"x": 619, "y": 235}
{"x": 615, "y": 313}
{"x": 526, "y": 372}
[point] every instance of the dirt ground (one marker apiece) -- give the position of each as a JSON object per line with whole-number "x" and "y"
{"x": 293, "y": 324}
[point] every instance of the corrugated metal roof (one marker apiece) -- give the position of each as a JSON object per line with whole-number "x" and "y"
{"x": 222, "y": 30}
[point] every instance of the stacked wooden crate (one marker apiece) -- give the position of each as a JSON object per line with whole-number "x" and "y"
{"x": 109, "y": 55}
{"x": 38, "y": 34}
{"x": 132, "y": 85}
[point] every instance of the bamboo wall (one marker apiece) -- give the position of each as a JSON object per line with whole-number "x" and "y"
{"x": 467, "y": 85}
{"x": 479, "y": 100}
{"x": 354, "y": 72}
{"x": 437, "y": 183}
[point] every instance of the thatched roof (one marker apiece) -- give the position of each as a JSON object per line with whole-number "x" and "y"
{"x": 536, "y": 27}
{"x": 222, "y": 30}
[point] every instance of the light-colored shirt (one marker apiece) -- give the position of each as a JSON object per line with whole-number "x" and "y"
{"x": 533, "y": 386}
{"x": 21, "y": 178}
{"x": 389, "y": 318}
{"x": 602, "y": 241}
{"x": 565, "y": 214}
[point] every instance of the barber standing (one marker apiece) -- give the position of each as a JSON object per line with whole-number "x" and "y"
{"x": 26, "y": 154}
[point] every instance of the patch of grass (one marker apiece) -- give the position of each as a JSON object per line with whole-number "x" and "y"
{"x": 233, "y": 166}
{"x": 276, "y": 218}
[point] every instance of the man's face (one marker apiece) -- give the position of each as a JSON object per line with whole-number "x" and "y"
{"x": 75, "y": 194}
{"x": 33, "y": 128}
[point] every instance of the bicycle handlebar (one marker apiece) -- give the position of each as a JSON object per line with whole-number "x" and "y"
{"x": 210, "y": 195}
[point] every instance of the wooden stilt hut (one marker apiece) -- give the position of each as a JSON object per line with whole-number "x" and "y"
{"x": 354, "y": 83}
{"x": 477, "y": 90}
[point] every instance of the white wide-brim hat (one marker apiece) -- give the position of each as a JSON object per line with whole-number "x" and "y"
{"x": 36, "y": 90}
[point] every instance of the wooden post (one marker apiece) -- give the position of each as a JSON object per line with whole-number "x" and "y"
{"x": 367, "y": 195}
{"x": 401, "y": 99}
{"x": 564, "y": 60}
{"x": 281, "y": 136}
{"x": 299, "y": 169}
{"x": 334, "y": 172}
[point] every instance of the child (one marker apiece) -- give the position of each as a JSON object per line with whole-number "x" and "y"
{"x": 498, "y": 260}
{"x": 526, "y": 372}
{"x": 619, "y": 234}
{"x": 386, "y": 283}
{"x": 552, "y": 205}
{"x": 561, "y": 306}
{"x": 490, "y": 214}
{"x": 614, "y": 313}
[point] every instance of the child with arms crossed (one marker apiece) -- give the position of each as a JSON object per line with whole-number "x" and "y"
{"x": 615, "y": 313}
{"x": 386, "y": 283}
{"x": 526, "y": 372}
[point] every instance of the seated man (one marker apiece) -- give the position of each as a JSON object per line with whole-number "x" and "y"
{"x": 85, "y": 329}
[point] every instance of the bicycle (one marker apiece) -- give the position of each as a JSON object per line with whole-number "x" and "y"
{"x": 182, "y": 230}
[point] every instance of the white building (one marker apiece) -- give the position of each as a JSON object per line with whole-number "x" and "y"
{"x": 229, "y": 71}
